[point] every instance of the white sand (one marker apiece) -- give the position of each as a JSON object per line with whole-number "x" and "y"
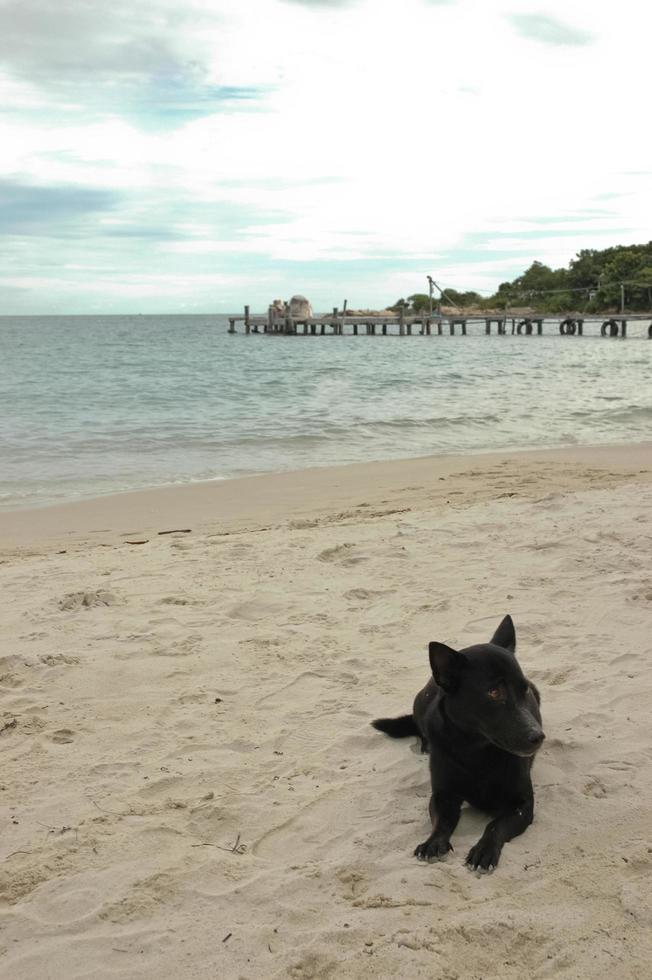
{"x": 186, "y": 742}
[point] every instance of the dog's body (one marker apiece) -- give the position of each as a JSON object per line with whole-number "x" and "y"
{"x": 479, "y": 719}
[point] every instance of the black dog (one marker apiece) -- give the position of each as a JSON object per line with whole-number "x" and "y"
{"x": 479, "y": 718}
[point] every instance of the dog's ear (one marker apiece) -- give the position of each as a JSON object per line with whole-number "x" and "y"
{"x": 447, "y": 665}
{"x": 505, "y": 635}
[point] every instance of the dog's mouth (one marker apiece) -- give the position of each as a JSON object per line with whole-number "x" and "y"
{"x": 520, "y": 752}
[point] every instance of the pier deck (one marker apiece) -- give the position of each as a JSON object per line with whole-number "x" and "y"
{"x": 532, "y": 324}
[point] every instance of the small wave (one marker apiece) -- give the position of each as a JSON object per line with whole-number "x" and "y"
{"x": 631, "y": 413}
{"x": 430, "y": 422}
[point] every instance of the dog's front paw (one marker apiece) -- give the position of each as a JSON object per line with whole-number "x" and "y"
{"x": 484, "y": 856}
{"x": 433, "y": 849}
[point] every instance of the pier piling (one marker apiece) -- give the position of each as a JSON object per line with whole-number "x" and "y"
{"x": 340, "y": 323}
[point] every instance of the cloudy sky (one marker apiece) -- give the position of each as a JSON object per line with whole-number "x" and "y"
{"x": 166, "y": 157}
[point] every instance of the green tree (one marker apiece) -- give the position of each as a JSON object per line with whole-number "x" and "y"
{"x": 462, "y": 299}
{"x": 591, "y": 283}
{"x": 421, "y": 302}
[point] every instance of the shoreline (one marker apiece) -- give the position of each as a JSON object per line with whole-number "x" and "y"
{"x": 274, "y": 496}
{"x": 84, "y": 498}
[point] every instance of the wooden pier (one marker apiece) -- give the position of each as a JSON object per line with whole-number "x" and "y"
{"x": 435, "y": 324}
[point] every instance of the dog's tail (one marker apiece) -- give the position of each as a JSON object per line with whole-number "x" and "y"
{"x": 397, "y": 727}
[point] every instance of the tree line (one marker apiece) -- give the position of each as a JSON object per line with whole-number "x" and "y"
{"x": 596, "y": 280}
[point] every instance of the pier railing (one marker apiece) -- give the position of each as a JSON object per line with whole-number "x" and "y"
{"x": 401, "y": 324}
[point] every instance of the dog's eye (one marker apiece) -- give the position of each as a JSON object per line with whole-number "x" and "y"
{"x": 496, "y": 693}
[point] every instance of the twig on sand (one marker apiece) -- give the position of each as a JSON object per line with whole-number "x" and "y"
{"x": 243, "y": 530}
{"x": 236, "y": 848}
{"x": 178, "y": 530}
{"x": 228, "y": 936}
{"x": 56, "y": 830}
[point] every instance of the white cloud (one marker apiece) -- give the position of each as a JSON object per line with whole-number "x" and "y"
{"x": 375, "y": 94}
{"x": 549, "y": 30}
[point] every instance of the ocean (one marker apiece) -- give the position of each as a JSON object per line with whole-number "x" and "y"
{"x": 91, "y": 405}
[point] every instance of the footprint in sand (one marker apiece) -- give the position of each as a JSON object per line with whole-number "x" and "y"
{"x": 142, "y": 899}
{"x": 11, "y": 680}
{"x": 313, "y": 966}
{"x": 595, "y": 788}
{"x": 63, "y": 736}
{"x": 194, "y": 697}
{"x": 646, "y": 596}
{"x": 87, "y": 600}
{"x": 58, "y": 659}
{"x": 262, "y": 642}
{"x": 163, "y": 786}
{"x": 8, "y": 723}
{"x": 31, "y": 725}
{"x": 179, "y": 648}
{"x": 342, "y": 554}
{"x": 363, "y": 595}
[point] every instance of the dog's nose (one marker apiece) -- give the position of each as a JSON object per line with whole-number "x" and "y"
{"x": 536, "y": 738}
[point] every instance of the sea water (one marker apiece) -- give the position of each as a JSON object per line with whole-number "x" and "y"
{"x": 92, "y": 404}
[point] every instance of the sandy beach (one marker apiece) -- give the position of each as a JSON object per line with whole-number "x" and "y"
{"x": 190, "y": 784}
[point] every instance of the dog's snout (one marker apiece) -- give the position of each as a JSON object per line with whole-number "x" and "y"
{"x": 536, "y": 738}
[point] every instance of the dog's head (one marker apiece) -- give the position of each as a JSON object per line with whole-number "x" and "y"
{"x": 487, "y": 693}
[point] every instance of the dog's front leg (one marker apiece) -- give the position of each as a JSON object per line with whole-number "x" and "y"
{"x": 445, "y": 810}
{"x": 486, "y": 853}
